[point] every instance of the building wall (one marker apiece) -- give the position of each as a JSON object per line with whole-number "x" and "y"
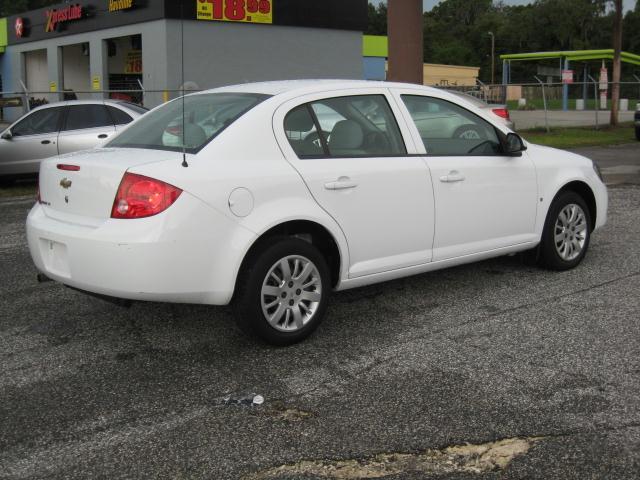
{"x": 154, "y": 58}
{"x": 216, "y": 54}
{"x": 452, "y": 75}
{"x": 224, "y": 53}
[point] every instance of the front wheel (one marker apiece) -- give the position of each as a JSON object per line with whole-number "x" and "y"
{"x": 283, "y": 293}
{"x": 566, "y": 234}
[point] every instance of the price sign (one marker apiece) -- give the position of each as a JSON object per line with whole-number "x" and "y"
{"x": 249, "y": 11}
{"x": 133, "y": 62}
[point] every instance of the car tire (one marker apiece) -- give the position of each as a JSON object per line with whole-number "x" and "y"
{"x": 637, "y": 133}
{"x": 281, "y": 306}
{"x": 566, "y": 233}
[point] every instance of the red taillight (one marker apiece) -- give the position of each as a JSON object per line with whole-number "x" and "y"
{"x": 175, "y": 130}
{"x": 502, "y": 112}
{"x": 140, "y": 197}
{"x": 68, "y": 168}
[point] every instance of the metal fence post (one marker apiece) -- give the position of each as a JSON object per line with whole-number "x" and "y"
{"x": 544, "y": 102}
{"x": 595, "y": 98}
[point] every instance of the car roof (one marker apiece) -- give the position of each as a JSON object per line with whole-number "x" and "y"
{"x": 310, "y": 86}
{"x": 65, "y": 103}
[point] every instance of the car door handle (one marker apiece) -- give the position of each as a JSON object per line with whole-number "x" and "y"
{"x": 103, "y": 135}
{"x": 340, "y": 184}
{"x": 452, "y": 176}
{"x": 45, "y": 142}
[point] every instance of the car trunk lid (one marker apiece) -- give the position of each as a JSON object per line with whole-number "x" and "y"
{"x": 81, "y": 187}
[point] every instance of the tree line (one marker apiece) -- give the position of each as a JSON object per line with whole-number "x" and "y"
{"x": 456, "y": 31}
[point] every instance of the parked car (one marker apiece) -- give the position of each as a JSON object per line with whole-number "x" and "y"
{"x": 636, "y": 121}
{"x": 499, "y": 111}
{"x": 59, "y": 128}
{"x": 268, "y": 212}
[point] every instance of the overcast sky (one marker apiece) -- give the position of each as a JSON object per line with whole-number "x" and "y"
{"x": 428, "y": 4}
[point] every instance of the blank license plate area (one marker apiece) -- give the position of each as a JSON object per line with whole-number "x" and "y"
{"x": 55, "y": 257}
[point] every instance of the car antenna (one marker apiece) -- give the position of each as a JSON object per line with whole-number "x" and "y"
{"x": 184, "y": 133}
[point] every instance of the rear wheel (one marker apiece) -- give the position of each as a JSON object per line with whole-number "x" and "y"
{"x": 282, "y": 294}
{"x": 566, "y": 234}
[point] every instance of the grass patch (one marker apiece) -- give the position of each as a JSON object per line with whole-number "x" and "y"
{"x": 581, "y": 136}
{"x": 556, "y": 103}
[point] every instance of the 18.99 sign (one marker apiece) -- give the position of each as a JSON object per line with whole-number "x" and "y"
{"x": 252, "y": 11}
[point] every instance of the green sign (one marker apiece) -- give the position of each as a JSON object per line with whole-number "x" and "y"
{"x": 3, "y": 34}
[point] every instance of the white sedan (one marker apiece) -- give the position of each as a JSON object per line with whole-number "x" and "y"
{"x": 268, "y": 210}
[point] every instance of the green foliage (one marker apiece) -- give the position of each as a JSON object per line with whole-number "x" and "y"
{"x": 456, "y": 31}
{"x": 377, "y": 20}
{"x": 12, "y": 7}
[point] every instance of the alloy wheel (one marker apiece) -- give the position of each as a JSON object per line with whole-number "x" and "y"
{"x": 570, "y": 233}
{"x": 291, "y": 293}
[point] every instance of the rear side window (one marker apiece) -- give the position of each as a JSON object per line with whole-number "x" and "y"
{"x": 119, "y": 117}
{"x": 39, "y": 122}
{"x": 354, "y": 126}
{"x": 87, "y": 116}
{"x": 449, "y": 130}
{"x": 302, "y": 133}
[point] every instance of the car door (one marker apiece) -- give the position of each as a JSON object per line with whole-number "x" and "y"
{"x": 484, "y": 200}
{"x": 86, "y": 126}
{"x": 32, "y": 138}
{"x": 350, "y": 151}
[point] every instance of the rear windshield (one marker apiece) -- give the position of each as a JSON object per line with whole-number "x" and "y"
{"x": 205, "y": 116}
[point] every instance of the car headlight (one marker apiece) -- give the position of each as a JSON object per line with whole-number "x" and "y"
{"x": 596, "y": 169}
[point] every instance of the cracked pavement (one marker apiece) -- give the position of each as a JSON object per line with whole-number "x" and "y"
{"x": 475, "y": 354}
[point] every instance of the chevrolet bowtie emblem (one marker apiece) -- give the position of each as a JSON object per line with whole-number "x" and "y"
{"x": 65, "y": 183}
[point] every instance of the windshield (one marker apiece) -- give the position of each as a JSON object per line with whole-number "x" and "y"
{"x": 205, "y": 116}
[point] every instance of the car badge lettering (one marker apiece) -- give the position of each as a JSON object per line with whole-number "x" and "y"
{"x": 65, "y": 183}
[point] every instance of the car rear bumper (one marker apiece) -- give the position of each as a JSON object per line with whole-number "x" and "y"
{"x": 187, "y": 254}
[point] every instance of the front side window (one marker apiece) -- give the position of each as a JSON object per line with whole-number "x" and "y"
{"x": 39, "y": 122}
{"x": 447, "y": 129}
{"x": 87, "y": 116}
{"x": 195, "y": 124}
{"x": 355, "y": 126}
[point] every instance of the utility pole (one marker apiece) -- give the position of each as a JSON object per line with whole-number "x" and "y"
{"x": 493, "y": 58}
{"x": 406, "y": 48}
{"x": 617, "y": 48}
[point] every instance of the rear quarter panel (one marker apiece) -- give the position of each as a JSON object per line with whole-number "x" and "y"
{"x": 246, "y": 155}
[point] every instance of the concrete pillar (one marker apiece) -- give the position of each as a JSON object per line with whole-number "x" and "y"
{"x": 98, "y": 68}
{"x": 54, "y": 67}
{"x": 405, "y": 28}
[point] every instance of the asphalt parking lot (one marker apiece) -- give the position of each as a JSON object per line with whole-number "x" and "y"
{"x": 416, "y": 378}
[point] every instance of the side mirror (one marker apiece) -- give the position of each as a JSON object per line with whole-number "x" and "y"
{"x": 514, "y": 145}
{"x": 6, "y": 135}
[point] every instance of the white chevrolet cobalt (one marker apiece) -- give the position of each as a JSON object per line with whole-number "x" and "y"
{"x": 290, "y": 190}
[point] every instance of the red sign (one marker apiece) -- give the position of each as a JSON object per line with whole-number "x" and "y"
{"x": 567, "y": 76}
{"x": 19, "y": 27}
{"x": 55, "y": 17}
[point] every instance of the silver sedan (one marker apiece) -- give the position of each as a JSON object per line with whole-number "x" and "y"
{"x": 59, "y": 128}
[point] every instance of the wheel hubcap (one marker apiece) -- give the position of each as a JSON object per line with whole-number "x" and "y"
{"x": 570, "y": 232}
{"x": 291, "y": 293}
